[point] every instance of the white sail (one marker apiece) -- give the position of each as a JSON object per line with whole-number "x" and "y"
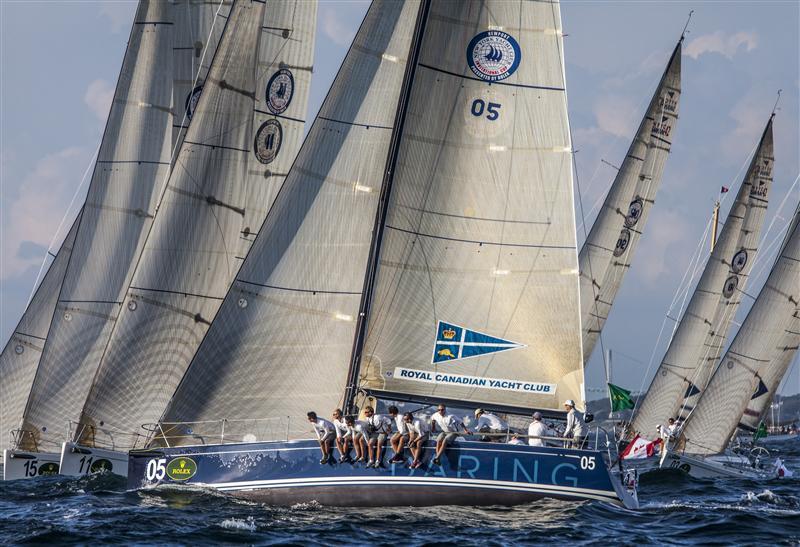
{"x": 20, "y": 356}
{"x": 244, "y": 134}
{"x": 755, "y": 346}
{"x": 701, "y": 334}
{"x": 476, "y": 287}
{"x": 131, "y": 168}
{"x": 198, "y": 29}
{"x": 281, "y": 342}
{"x": 623, "y": 207}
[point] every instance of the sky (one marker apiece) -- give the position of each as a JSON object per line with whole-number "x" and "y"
{"x": 59, "y": 62}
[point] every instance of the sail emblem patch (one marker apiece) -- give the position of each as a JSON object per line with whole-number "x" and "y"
{"x": 493, "y": 55}
{"x": 268, "y": 141}
{"x": 739, "y": 261}
{"x": 192, "y": 100}
{"x": 730, "y": 286}
{"x": 622, "y": 242}
{"x": 634, "y": 212}
{"x": 280, "y": 90}
{"x": 455, "y": 342}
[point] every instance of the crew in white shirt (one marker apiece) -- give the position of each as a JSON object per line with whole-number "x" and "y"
{"x": 360, "y": 430}
{"x": 490, "y": 423}
{"x": 418, "y": 433}
{"x": 343, "y": 435}
{"x": 538, "y": 428}
{"x": 400, "y": 436}
{"x": 515, "y": 440}
{"x": 326, "y": 432}
{"x": 449, "y": 426}
{"x": 576, "y": 428}
{"x": 380, "y": 425}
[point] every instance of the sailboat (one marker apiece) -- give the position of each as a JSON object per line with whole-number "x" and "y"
{"x": 766, "y": 339}
{"x": 607, "y": 253}
{"x": 20, "y": 358}
{"x": 421, "y": 249}
{"x": 246, "y": 127}
{"x": 131, "y": 166}
{"x": 699, "y": 338}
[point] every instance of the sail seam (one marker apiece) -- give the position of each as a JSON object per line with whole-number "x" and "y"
{"x": 314, "y": 291}
{"x": 494, "y": 243}
{"x": 463, "y": 77}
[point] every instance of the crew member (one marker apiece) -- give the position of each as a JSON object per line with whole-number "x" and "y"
{"x": 449, "y": 426}
{"x": 360, "y": 431}
{"x": 576, "y": 428}
{"x": 343, "y": 435}
{"x": 489, "y": 423}
{"x": 400, "y": 436}
{"x": 379, "y": 425}
{"x": 326, "y": 432}
{"x": 418, "y": 433}
{"x": 538, "y": 429}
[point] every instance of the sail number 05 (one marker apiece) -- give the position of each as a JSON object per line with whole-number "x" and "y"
{"x": 156, "y": 469}
{"x": 479, "y": 106}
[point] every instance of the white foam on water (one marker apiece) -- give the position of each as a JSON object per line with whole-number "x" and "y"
{"x": 239, "y": 524}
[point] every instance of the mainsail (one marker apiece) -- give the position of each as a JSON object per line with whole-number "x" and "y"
{"x": 608, "y": 251}
{"x": 774, "y": 372}
{"x": 245, "y": 131}
{"x": 20, "y": 356}
{"x": 281, "y": 341}
{"x": 132, "y": 166}
{"x": 757, "y": 344}
{"x": 701, "y": 334}
{"x": 475, "y": 292}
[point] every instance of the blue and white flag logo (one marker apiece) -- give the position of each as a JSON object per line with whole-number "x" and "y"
{"x": 456, "y": 342}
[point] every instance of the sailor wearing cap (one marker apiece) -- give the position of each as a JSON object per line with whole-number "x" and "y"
{"x": 538, "y": 429}
{"x": 576, "y": 427}
{"x": 489, "y": 423}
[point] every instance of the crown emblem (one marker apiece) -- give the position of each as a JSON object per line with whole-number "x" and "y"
{"x": 449, "y": 334}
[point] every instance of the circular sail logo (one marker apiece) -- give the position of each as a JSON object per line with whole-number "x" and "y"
{"x": 280, "y": 90}
{"x": 268, "y": 141}
{"x": 192, "y": 100}
{"x": 181, "y": 469}
{"x": 493, "y": 55}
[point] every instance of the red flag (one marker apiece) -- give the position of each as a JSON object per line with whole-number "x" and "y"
{"x": 724, "y": 190}
{"x": 639, "y": 449}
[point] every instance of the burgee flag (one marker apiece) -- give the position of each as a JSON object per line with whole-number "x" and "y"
{"x": 457, "y": 342}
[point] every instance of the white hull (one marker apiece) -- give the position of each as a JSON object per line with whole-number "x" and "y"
{"x": 714, "y": 467}
{"x": 19, "y": 464}
{"x": 79, "y": 460}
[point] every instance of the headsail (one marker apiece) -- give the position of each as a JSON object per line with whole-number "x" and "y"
{"x": 475, "y": 295}
{"x": 20, "y": 356}
{"x": 608, "y": 250}
{"x": 131, "y": 168}
{"x": 757, "y": 344}
{"x": 281, "y": 341}
{"x": 245, "y": 131}
{"x": 699, "y": 339}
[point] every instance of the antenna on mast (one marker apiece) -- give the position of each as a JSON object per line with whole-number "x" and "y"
{"x": 686, "y": 26}
{"x": 777, "y": 100}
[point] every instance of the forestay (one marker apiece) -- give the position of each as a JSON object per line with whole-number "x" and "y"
{"x": 756, "y": 345}
{"x": 476, "y": 290}
{"x": 132, "y": 166}
{"x": 245, "y": 131}
{"x": 282, "y": 339}
{"x": 698, "y": 340}
{"x": 608, "y": 252}
{"x": 20, "y": 356}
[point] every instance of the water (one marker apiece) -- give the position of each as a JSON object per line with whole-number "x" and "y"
{"x": 675, "y": 510}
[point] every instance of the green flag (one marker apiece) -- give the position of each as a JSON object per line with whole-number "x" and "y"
{"x": 761, "y": 432}
{"x": 620, "y": 398}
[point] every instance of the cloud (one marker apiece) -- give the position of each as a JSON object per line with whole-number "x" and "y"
{"x": 666, "y": 247}
{"x": 750, "y": 117}
{"x": 719, "y": 42}
{"x": 33, "y": 216}
{"x": 334, "y": 28}
{"x": 98, "y": 98}
{"x": 119, "y": 14}
{"x": 615, "y": 115}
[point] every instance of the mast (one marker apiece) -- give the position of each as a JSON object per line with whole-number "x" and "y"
{"x": 714, "y": 226}
{"x": 386, "y": 188}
